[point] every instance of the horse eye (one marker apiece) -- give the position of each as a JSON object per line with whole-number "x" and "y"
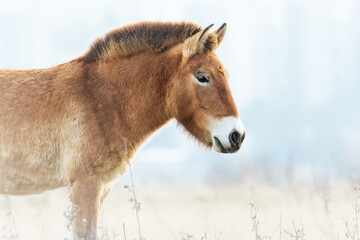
{"x": 202, "y": 79}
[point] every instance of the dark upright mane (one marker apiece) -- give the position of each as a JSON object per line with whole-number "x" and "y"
{"x": 140, "y": 37}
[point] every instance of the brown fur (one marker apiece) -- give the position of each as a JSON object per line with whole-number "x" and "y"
{"x": 66, "y": 125}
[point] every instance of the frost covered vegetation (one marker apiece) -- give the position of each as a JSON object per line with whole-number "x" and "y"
{"x": 239, "y": 210}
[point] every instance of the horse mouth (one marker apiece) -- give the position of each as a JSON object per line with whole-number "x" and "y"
{"x": 219, "y": 145}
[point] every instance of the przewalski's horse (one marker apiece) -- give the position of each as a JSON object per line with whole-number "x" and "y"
{"x": 66, "y": 125}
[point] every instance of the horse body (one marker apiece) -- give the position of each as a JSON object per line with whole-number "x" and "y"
{"x": 53, "y": 115}
{"x": 30, "y": 143}
{"x": 77, "y": 124}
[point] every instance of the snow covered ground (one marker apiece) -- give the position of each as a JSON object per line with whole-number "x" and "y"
{"x": 237, "y": 210}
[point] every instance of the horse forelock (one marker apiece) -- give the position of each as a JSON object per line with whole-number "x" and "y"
{"x": 140, "y": 37}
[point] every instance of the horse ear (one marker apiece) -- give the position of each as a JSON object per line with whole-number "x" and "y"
{"x": 220, "y": 33}
{"x": 196, "y": 43}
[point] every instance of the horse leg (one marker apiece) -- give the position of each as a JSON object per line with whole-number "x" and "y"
{"x": 86, "y": 195}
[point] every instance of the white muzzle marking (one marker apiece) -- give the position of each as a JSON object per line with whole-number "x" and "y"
{"x": 228, "y": 134}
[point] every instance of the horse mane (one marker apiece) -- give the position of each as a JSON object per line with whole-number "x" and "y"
{"x": 140, "y": 37}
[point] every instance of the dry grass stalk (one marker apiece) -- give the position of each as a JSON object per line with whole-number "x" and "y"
{"x": 298, "y": 234}
{"x": 255, "y": 223}
{"x": 124, "y": 231}
{"x": 136, "y": 205}
{"x": 352, "y": 230}
{"x": 70, "y": 214}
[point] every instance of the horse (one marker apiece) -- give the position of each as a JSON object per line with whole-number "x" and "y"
{"x": 66, "y": 126}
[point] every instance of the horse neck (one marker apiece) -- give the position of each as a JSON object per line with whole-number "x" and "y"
{"x": 132, "y": 94}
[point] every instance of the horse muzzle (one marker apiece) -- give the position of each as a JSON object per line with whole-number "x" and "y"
{"x": 228, "y": 134}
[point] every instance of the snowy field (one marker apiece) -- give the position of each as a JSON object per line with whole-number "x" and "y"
{"x": 243, "y": 210}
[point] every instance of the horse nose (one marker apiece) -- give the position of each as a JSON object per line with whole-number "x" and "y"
{"x": 236, "y": 138}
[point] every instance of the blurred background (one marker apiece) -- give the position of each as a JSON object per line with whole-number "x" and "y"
{"x": 294, "y": 73}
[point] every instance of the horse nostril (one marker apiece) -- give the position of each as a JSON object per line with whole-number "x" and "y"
{"x": 235, "y": 138}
